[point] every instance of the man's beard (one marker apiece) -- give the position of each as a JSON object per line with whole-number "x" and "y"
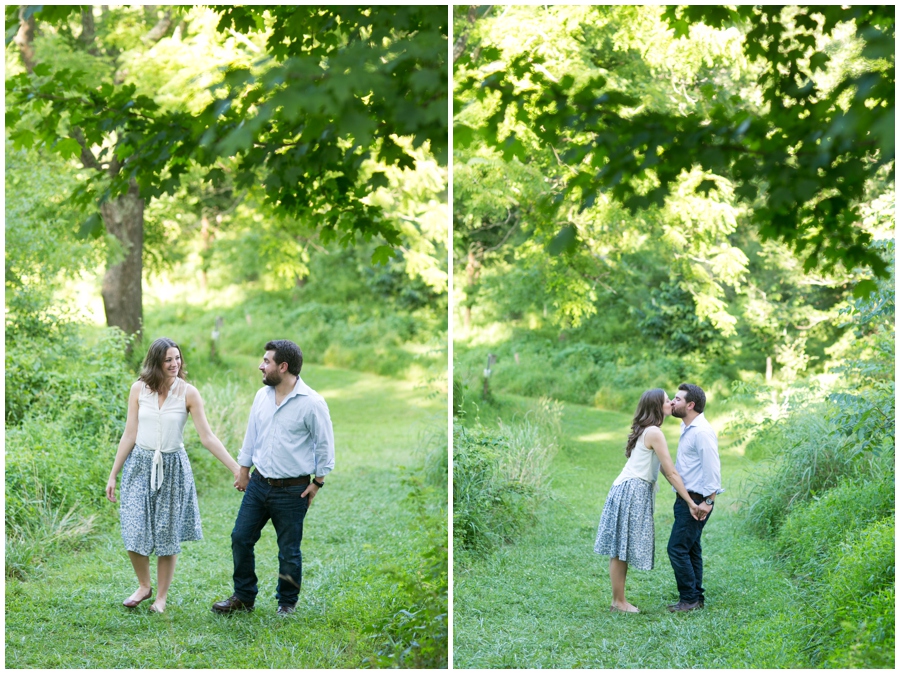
{"x": 273, "y": 379}
{"x": 679, "y": 413}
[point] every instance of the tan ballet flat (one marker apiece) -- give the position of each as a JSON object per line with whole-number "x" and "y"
{"x": 131, "y": 603}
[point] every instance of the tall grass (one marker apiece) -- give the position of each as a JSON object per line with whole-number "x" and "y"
{"x": 43, "y": 530}
{"x": 416, "y": 635}
{"x": 498, "y": 475}
{"x": 827, "y": 500}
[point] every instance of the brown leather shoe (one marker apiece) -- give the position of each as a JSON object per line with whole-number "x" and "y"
{"x": 682, "y": 606}
{"x": 286, "y": 609}
{"x": 231, "y": 605}
{"x": 131, "y": 603}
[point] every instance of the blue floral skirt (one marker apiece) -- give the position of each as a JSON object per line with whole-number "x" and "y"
{"x": 626, "y": 526}
{"x": 157, "y": 522}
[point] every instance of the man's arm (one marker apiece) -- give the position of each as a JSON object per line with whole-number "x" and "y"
{"x": 321, "y": 433}
{"x": 245, "y": 456}
{"x": 708, "y": 449}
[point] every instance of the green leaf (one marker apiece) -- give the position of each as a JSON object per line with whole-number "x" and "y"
{"x": 865, "y": 288}
{"x": 379, "y": 179}
{"x": 706, "y": 186}
{"x": 564, "y": 242}
{"x": 382, "y": 255}
{"x": 68, "y": 147}
{"x": 92, "y": 227}
{"x": 22, "y": 138}
{"x": 42, "y": 70}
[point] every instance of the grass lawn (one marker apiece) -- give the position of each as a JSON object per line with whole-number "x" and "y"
{"x": 71, "y": 614}
{"x": 543, "y": 602}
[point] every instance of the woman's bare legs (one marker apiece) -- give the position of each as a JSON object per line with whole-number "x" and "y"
{"x": 617, "y": 572}
{"x": 165, "y": 571}
{"x": 141, "y": 566}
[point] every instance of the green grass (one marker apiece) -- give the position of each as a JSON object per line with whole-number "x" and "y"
{"x": 543, "y": 602}
{"x": 71, "y": 616}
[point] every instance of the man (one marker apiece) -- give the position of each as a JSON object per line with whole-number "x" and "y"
{"x": 698, "y": 464}
{"x": 291, "y": 442}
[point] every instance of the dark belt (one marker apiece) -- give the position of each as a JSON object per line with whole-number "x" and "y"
{"x": 282, "y": 482}
{"x": 693, "y": 493}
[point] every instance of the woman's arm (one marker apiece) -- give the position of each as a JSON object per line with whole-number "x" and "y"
{"x": 207, "y": 437}
{"x": 655, "y": 440}
{"x": 126, "y": 444}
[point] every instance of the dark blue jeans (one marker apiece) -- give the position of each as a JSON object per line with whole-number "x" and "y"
{"x": 685, "y": 552}
{"x": 286, "y": 508}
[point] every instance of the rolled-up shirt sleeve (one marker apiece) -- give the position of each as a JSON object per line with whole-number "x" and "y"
{"x": 707, "y": 448}
{"x": 245, "y": 456}
{"x": 321, "y": 432}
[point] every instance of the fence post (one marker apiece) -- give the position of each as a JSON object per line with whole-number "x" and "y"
{"x": 486, "y": 393}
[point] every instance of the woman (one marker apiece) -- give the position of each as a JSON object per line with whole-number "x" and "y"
{"x": 159, "y": 501}
{"x": 626, "y": 531}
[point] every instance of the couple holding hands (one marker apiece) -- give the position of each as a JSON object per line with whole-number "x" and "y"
{"x": 626, "y": 531}
{"x": 289, "y": 440}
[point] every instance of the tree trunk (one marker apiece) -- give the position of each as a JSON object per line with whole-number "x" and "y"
{"x": 25, "y": 40}
{"x": 158, "y": 32}
{"x": 471, "y": 279}
{"x": 121, "y": 290}
{"x": 88, "y": 32}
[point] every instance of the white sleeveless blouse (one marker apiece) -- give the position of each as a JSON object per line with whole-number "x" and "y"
{"x": 161, "y": 431}
{"x": 643, "y": 463}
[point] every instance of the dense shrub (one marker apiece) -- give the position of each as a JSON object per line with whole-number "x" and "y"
{"x": 497, "y": 475}
{"x": 66, "y": 404}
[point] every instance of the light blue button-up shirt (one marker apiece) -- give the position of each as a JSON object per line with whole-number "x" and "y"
{"x": 698, "y": 458}
{"x": 291, "y": 439}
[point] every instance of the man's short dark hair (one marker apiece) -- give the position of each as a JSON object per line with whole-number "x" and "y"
{"x": 694, "y": 394}
{"x": 287, "y": 352}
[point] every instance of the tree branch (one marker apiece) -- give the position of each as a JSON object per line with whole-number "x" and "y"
{"x": 88, "y": 160}
{"x": 158, "y": 32}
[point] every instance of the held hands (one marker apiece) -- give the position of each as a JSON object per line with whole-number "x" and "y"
{"x": 241, "y": 479}
{"x": 696, "y": 511}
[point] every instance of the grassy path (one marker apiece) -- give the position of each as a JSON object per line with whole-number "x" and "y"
{"x": 544, "y": 601}
{"x": 71, "y": 616}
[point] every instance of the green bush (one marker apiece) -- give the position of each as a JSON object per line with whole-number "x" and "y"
{"x": 351, "y": 334}
{"x": 856, "y": 601}
{"x": 865, "y": 637}
{"x": 498, "y": 475}
{"x": 815, "y": 528}
{"x": 808, "y": 456}
{"x": 66, "y": 405}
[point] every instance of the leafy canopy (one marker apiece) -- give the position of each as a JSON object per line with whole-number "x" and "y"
{"x": 801, "y": 158}
{"x": 336, "y": 86}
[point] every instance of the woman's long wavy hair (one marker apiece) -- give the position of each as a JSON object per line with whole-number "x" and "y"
{"x": 152, "y": 373}
{"x": 649, "y": 413}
